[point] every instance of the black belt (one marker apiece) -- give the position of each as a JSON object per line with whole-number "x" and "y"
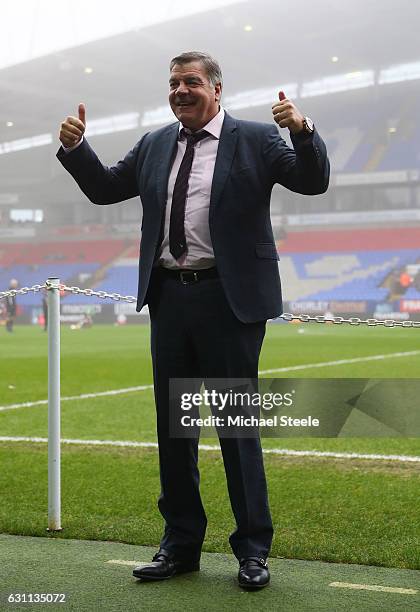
{"x": 187, "y": 277}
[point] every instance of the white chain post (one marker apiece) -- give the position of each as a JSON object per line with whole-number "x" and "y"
{"x": 54, "y": 475}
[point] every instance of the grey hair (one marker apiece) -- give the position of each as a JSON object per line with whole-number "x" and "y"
{"x": 211, "y": 65}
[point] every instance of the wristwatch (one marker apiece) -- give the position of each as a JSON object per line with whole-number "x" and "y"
{"x": 308, "y": 125}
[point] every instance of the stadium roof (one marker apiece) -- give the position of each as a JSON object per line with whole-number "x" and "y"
{"x": 261, "y": 45}
{"x": 49, "y": 26}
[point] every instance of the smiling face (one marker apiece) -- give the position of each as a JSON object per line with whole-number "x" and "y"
{"x": 193, "y": 99}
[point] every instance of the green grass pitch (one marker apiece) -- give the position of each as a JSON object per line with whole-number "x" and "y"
{"x": 342, "y": 510}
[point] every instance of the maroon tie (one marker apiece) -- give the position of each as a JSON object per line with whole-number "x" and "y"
{"x": 177, "y": 242}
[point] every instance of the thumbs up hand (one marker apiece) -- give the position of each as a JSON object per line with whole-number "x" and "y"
{"x": 287, "y": 115}
{"x": 73, "y": 128}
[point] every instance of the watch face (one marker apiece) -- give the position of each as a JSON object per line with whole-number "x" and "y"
{"x": 309, "y": 124}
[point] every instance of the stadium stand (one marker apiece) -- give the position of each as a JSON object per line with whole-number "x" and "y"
{"x": 341, "y": 276}
{"x": 70, "y": 261}
{"x": 373, "y": 138}
{"x": 345, "y": 264}
{"x": 412, "y": 293}
{"x": 315, "y": 265}
{"x": 99, "y": 251}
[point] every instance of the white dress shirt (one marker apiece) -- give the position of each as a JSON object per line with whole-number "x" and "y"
{"x": 199, "y": 253}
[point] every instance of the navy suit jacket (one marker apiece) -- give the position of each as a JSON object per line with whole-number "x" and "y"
{"x": 251, "y": 158}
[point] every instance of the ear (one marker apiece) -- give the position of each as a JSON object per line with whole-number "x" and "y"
{"x": 218, "y": 91}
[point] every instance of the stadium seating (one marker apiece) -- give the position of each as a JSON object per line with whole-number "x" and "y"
{"x": 363, "y": 141}
{"x": 317, "y": 265}
{"x": 341, "y": 276}
{"x": 99, "y": 251}
{"x": 35, "y": 275}
{"x": 412, "y": 293}
{"x": 118, "y": 278}
{"x": 344, "y": 264}
{"x": 32, "y": 264}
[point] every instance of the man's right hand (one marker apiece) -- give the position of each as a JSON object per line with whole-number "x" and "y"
{"x": 73, "y": 128}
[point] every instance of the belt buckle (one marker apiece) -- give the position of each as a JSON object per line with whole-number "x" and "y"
{"x": 184, "y": 281}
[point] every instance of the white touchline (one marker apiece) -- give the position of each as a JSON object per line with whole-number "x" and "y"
{"x": 78, "y": 397}
{"x": 208, "y": 447}
{"x": 374, "y": 587}
{"x": 123, "y": 562}
{"x": 324, "y": 364}
{"x": 305, "y": 366}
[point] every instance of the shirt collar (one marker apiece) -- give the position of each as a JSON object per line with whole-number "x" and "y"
{"x": 214, "y": 126}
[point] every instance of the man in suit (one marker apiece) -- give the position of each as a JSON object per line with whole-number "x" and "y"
{"x": 11, "y": 306}
{"x": 208, "y": 271}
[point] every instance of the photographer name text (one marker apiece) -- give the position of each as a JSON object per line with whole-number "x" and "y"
{"x": 250, "y": 421}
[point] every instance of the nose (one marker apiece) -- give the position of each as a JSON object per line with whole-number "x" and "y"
{"x": 182, "y": 88}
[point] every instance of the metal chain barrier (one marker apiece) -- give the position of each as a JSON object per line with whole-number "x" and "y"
{"x": 23, "y": 291}
{"x": 117, "y": 297}
{"x": 303, "y": 318}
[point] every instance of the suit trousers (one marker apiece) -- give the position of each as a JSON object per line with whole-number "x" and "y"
{"x": 194, "y": 334}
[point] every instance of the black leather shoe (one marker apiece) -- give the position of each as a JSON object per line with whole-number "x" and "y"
{"x": 164, "y": 565}
{"x": 253, "y": 573}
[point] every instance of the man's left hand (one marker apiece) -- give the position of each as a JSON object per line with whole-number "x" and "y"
{"x": 287, "y": 115}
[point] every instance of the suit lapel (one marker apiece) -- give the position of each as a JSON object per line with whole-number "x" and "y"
{"x": 224, "y": 159}
{"x": 166, "y": 157}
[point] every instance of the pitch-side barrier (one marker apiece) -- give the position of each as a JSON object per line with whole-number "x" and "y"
{"x": 53, "y": 287}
